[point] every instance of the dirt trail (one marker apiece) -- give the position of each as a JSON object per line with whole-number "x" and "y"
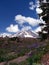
{"x": 17, "y": 60}
{"x": 20, "y": 59}
{"x": 2, "y": 63}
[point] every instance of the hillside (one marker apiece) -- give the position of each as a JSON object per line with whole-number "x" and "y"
{"x": 13, "y": 48}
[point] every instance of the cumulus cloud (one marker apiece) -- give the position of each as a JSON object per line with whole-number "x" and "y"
{"x": 20, "y": 19}
{"x": 31, "y": 21}
{"x": 38, "y": 29}
{"x": 45, "y": 32}
{"x": 39, "y": 10}
{"x": 32, "y": 6}
{"x": 36, "y": 5}
{"x": 44, "y": 1}
{"x": 12, "y": 28}
{"x": 26, "y": 28}
{"x": 42, "y": 20}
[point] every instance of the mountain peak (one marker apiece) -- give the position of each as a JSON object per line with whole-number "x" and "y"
{"x": 22, "y": 34}
{"x": 27, "y": 33}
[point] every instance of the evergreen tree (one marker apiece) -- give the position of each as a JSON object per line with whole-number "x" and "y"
{"x": 44, "y": 5}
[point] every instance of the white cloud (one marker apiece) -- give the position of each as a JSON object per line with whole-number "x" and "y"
{"x": 20, "y": 19}
{"x": 32, "y": 6}
{"x": 39, "y": 10}
{"x": 12, "y": 28}
{"x": 37, "y": 3}
{"x": 38, "y": 29}
{"x": 31, "y": 21}
{"x": 44, "y": 1}
{"x": 26, "y": 28}
{"x": 31, "y": 3}
{"x": 45, "y": 32}
{"x": 42, "y": 20}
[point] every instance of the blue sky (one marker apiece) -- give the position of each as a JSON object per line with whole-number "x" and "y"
{"x": 18, "y": 15}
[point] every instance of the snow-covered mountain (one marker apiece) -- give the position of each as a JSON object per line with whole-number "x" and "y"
{"x": 30, "y": 34}
{"x": 25, "y": 34}
{"x": 5, "y": 34}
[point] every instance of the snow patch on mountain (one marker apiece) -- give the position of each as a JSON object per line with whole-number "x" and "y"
{"x": 25, "y": 34}
{"x": 22, "y": 34}
{"x": 5, "y": 34}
